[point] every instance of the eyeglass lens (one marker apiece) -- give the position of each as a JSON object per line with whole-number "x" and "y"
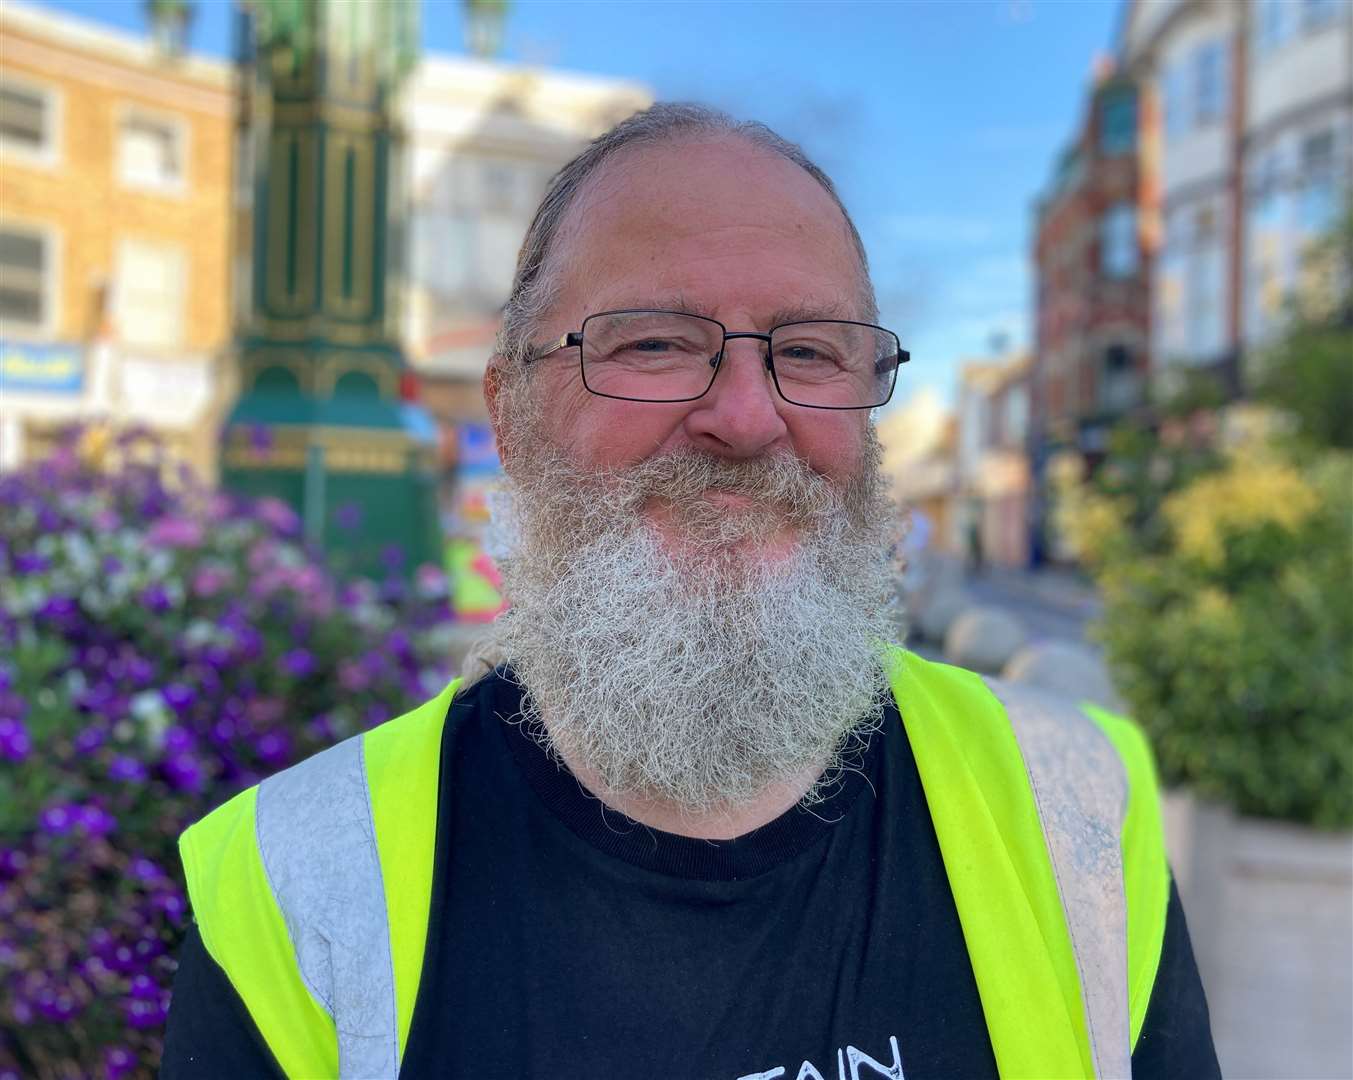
{"x": 670, "y": 356}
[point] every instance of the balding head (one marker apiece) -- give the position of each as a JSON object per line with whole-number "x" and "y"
{"x": 538, "y": 275}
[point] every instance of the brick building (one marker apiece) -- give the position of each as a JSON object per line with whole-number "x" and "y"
{"x": 115, "y": 179}
{"x": 1094, "y": 243}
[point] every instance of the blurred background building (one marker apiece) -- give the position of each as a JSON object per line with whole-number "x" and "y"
{"x": 992, "y": 475}
{"x": 115, "y": 166}
{"x": 1256, "y": 104}
{"x": 483, "y": 140}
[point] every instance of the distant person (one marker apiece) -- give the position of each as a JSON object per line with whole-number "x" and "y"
{"x": 703, "y": 822}
{"x": 976, "y": 560}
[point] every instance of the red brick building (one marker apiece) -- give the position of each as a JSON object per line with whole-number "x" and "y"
{"x": 1094, "y": 238}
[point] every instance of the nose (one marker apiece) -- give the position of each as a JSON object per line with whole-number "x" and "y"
{"x": 740, "y": 415}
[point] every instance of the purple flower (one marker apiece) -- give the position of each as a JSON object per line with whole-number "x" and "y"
{"x": 6, "y": 680}
{"x": 13, "y": 862}
{"x": 175, "y": 532}
{"x": 90, "y": 739}
{"x": 106, "y": 520}
{"x": 155, "y": 599}
{"x": 94, "y": 820}
{"x": 179, "y": 697}
{"x": 61, "y": 611}
{"x": 278, "y": 516}
{"x": 15, "y": 742}
{"x": 126, "y": 769}
{"x": 57, "y": 820}
{"x": 298, "y": 663}
{"x": 273, "y": 748}
{"x": 118, "y": 1062}
{"x": 111, "y": 565}
{"x": 184, "y": 773}
{"x": 210, "y": 580}
{"x": 178, "y": 740}
{"x": 30, "y": 563}
{"x": 353, "y": 676}
{"x": 348, "y": 517}
{"x": 140, "y": 671}
{"x": 143, "y": 869}
{"x": 144, "y": 987}
{"x": 144, "y": 1014}
{"x": 172, "y": 904}
{"x": 321, "y": 727}
{"x": 260, "y": 438}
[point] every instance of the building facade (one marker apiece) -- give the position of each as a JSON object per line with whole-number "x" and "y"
{"x": 1094, "y": 242}
{"x": 993, "y": 478}
{"x": 1255, "y": 155}
{"x": 484, "y": 139}
{"x": 115, "y": 178}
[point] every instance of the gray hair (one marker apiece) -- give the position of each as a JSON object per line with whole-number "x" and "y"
{"x": 535, "y": 285}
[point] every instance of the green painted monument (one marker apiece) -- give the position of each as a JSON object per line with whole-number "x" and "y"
{"x": 322, "y": 420}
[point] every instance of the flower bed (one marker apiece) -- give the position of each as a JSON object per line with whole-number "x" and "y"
{"x": 162, "y": 647}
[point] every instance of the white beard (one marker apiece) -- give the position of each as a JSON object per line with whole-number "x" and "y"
{"x": 704, "y": 677}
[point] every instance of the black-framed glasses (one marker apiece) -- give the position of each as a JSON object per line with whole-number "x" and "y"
{"x": 672, "y": 356}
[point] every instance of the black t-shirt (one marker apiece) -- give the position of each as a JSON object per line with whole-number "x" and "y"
{"x": 566, "y": 940}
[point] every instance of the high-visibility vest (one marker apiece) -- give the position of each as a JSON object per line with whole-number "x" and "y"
{"x": 311, "y": 890}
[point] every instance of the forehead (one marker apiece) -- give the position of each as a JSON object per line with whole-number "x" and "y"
{"x": 728, "y": 226}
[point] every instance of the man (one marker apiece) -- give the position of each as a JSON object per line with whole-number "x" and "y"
{"x": 703, "y": 822}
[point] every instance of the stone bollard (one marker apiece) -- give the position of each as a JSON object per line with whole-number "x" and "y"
{"x": 1066, "y": 668}
{"x": 937, "y": 612}
{"x": 983, "y": 638}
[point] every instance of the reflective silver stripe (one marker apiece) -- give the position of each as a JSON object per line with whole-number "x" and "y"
{"x": 1080, "y": 788}
{"x": 318, "y": 845}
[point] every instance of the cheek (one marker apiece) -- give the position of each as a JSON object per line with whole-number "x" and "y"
{"x": 600, "y": 431}
{"x": 831, "y": 443}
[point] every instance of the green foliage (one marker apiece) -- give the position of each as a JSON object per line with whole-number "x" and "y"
{"x": 1232, "y": 644}
{"x": 1308, "y": 372}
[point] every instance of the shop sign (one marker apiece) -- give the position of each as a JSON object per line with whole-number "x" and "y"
{"x": 42, "y": 367}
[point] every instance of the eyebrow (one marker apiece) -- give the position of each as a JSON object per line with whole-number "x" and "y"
{"x": 799, "y": 311}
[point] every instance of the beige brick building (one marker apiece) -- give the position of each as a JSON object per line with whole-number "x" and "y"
{"x": 115, "y": 210}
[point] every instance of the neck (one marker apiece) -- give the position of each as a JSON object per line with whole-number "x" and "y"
{"x": 715, "y": 823}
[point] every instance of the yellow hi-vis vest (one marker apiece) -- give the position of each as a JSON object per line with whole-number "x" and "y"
{"x": 311, "y": 890}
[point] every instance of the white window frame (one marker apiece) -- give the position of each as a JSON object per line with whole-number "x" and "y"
{"x": 45, "y": 330}
{"x": 183, "y": 132}
{"x": 48, "y": 154}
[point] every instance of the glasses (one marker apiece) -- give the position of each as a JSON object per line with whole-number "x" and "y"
{"x": 671, "y": 356}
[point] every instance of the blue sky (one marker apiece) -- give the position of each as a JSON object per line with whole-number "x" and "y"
{"x": 939, "y": 120}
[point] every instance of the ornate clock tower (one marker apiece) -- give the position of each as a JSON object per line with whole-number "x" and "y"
{"x": 323, "y": 419}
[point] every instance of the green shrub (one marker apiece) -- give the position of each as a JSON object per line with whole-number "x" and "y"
{"x": 1231, "y": 636}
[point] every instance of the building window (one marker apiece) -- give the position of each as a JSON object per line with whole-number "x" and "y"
{"x": 151, "y": 290}
{"x": 1319, "y": 195}
{"x": 1118, "y": 122}
{"x": 1197, "y": 88}
{"x": 1318, "y": 14}
{"x": 25, "y": 281}
{"x": 1118, "y": 241}
{"x": 1212, "y": 83}
{"x": 27, "y": 120}
{"x": 1270, "y": 25}
{"x": 151, "y": 152}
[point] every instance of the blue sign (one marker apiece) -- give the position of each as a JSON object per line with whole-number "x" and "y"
{"x": 477, "y": 454}
{"x": 51, "y": 368}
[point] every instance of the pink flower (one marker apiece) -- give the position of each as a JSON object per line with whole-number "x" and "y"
{"x": 175, "y": 532}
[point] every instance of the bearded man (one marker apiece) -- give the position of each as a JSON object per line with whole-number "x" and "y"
{"x": 703, "y": 821}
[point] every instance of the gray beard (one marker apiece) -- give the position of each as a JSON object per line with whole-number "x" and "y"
{"x": 706, "y": 676}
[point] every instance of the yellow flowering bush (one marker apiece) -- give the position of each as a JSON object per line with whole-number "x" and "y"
{"x": 1229, "y": 628}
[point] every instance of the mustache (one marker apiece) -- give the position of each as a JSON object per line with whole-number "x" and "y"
{"x": 779, "y": 481}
